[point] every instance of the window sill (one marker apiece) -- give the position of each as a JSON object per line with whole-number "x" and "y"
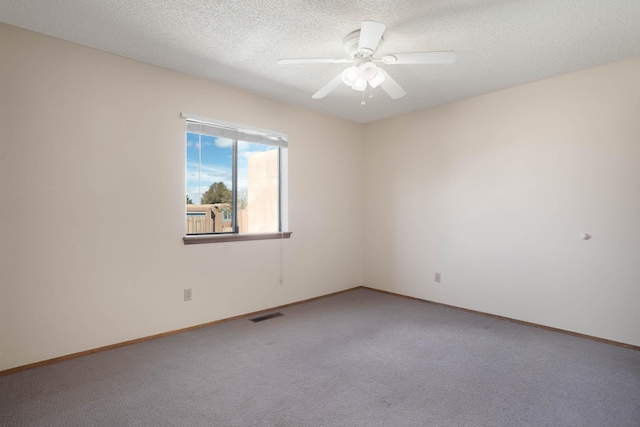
{"x": 219, "y": 238}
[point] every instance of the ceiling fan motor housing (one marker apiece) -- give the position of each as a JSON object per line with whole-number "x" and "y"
{"x": 351, "y": 42}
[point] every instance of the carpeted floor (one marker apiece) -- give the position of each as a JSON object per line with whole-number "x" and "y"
{"x": 361, "y": 358}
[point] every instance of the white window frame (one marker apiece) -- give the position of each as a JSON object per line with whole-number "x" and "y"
{"x": 237, "y": 131}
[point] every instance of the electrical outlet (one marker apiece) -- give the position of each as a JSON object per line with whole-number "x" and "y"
{"x": 438, "y": 278}
{"x": 187, "y": 294}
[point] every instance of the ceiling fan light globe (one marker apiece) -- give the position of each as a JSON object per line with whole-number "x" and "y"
{"x": 378, "y": 79}
{"x": 360, "y": 84}
{"x": 350, "y": 75}
{"x": 368, "y": 70}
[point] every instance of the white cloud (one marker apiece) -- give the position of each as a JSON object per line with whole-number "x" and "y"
{"x": 226, "y": 143}
{"x": 223, "y": 142}
{"x": 208, "y": 175}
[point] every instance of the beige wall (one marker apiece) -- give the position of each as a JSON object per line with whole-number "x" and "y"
{"x": 91, "y": 135}
{"x": 494, "y": 192}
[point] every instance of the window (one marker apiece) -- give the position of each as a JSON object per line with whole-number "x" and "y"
{"x": 235, "y": 179}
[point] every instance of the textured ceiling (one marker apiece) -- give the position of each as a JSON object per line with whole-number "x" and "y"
{"x": 500, "y": 43}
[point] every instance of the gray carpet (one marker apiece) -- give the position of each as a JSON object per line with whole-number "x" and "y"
{"x": 356, "y": 359}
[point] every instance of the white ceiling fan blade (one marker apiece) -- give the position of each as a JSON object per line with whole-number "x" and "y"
{"x": 328, "y": 87}
{"x": 287, "y": 61}
{"x": 392, "y": 88}
{"x": 370, "y": 35}
{"x": 444, "y": 57}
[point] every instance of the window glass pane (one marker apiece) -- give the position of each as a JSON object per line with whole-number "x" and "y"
{"x": 258, "y": 192}
{"x": 209, "y": 184}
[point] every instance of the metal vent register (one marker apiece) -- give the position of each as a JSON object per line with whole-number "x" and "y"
{"x": 266, "y": 317}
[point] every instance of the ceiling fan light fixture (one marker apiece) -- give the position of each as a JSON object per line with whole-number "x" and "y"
{"x": 368, "y": 70}
{"x": 350, "y": 75}
{"x": 378, "y": 79}
{"x": 360, "y": 84}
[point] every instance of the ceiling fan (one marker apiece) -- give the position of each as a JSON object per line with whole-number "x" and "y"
{"x": 361, "y": 45}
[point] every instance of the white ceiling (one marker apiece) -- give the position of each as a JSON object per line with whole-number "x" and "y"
{"x": 500, "y": 43}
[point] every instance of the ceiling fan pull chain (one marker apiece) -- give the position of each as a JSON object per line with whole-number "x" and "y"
{"x": 362, "y": 103}
{"x": 371, "y": 94}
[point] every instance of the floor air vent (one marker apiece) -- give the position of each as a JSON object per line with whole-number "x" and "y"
{"x": 266, "y": 317}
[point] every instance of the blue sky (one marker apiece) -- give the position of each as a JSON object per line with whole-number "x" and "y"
{"x": 216, "y": 162}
